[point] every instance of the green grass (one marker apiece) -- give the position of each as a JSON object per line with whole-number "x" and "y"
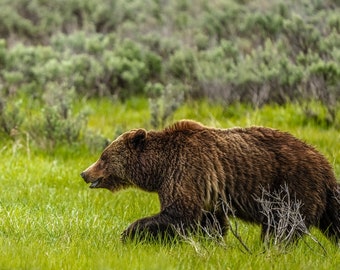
{"x": 50, "y": 219}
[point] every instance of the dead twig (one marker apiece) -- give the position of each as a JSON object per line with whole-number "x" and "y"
{"x": 227, "y": 208}
{"x": 283, "y": 220}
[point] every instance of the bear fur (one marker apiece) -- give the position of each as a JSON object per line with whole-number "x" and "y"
{"x": 194, "y": 168}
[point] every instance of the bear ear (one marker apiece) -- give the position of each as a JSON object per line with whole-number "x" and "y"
{"x": 137, "y": 138}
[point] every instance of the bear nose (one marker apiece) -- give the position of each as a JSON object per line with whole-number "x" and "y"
{"x": 83, "y": 175}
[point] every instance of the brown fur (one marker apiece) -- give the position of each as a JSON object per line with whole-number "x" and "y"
{"x": 193, "y": 168}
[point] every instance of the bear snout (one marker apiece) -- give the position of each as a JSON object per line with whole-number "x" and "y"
{"x": 83, "y": 175}
{"x": 95, "y": 182}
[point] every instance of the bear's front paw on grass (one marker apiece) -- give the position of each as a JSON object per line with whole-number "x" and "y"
{"x": 147, "y": 230}
{"x": 140, "y": 230}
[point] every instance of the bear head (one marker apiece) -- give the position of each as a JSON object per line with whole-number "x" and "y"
{"x": 116, "y": 167}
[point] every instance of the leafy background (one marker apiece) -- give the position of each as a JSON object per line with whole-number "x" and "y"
{"x": 255, "y": 52}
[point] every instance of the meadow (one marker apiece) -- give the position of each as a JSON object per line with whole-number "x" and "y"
{"x": 50, "y": 219}
{"x": 75, "y": 74}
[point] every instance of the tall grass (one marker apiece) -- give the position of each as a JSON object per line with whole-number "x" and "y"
{"x": 50, "y": 219}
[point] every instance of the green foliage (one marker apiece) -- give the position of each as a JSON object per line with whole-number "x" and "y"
{"x": 163, "y": 102}
{"x": 11, "y": 117}
{"x": 182, "y": 65}
{"x": 220, "y": 20}
{"x": 226, "y": 50}
{"x": 95, "y": 66}
{"x": 56, "y": 125}
{"x": 130, "y": 67}
{"x": 301, "y": 35}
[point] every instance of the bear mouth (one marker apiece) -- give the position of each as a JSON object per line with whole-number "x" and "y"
{"x": 96, "y": 183}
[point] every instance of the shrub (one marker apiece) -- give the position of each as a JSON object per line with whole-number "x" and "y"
{"x": 182, "y": 65}
{"x": 56, "y": 123}
{"x": 323, "y": 83}
{"x": 11, "y": 117}
{"x": 129, "y": 67}
{"x": 163, "y": 102}
{"x": 221, "y": 20}
{"x": 93, "y": 66}
{"x": 301, "y": 35}
{"x": 262, "y": 26}
{"x": 18, "y": 74}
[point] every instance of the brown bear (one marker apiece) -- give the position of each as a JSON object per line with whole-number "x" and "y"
{"x": 194, "y": 169}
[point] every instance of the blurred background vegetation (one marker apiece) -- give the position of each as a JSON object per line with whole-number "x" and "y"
{"x": 55, "y": 53}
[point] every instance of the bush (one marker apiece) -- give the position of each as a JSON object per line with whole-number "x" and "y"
{"x": 229, "y": 51}
{"x": 182, "y": 65}
{"x": 129, "y": 68}
{"x": 163, "y": 102}
{"x": 56, "y": 123}
{"x": 11, "y": 117}
{"x": 90, "y": 65}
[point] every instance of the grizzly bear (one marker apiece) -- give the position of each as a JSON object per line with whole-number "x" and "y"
{"x": 194, "y": 169}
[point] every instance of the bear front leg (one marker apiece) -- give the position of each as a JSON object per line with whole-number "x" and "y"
{"x": 149, "y": 228}
{"x": 162, "y": 226}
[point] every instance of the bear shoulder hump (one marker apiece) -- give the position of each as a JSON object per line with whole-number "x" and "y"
{"x": 185, "y": 125}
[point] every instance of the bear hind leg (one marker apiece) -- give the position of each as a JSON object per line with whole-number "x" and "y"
{"x": 330, "y": 220}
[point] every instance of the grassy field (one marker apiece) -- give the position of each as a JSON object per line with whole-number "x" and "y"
{"x": 50, "y": 219}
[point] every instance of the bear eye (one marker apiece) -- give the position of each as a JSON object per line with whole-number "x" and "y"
{"x": 103, "y": 157}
